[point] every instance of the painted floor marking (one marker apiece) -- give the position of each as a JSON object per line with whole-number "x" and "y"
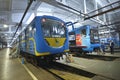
{"x": 30, "y": 73}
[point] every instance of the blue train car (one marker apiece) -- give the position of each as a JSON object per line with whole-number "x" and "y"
{"x": 85, "y": 36}
{"x": 45, "y": 35}
{"x": 106, "y": 42}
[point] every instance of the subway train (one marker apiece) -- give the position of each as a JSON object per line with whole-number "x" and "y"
{"x": 46, "y": 37}
{"x": 86, "y": 36}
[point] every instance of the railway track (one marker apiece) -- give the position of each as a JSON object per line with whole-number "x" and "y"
{"x": 42, "y": 73}
{"x": 59, "y": 71}
{"x": 65, "y": 72}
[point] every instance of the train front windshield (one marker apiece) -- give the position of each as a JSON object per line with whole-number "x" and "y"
{"x": 53, "y": 28}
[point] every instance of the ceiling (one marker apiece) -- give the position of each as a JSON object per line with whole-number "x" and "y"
{"x": 11, "y": 12}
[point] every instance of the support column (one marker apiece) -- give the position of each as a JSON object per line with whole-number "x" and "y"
{"x": 85, "y": 7}
{"x": 104, "y": 17}
{"x": 119, "y": 39}
{"x": 96, "y": 7}
{"x": 2, "y": 45}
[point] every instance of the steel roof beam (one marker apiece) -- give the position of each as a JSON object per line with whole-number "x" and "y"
{"x": 106, "y": 11}
{"x": 30, "y": 3}
{"x": 118, "y": 7}
{"x": 70, "y": 9}
{"x": 105, "y": 6}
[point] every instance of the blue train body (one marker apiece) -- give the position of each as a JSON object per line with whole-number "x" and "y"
{"x": 45, "y": 35}
{"x": 106, "y": 42}
{"x": 85, "y": 36}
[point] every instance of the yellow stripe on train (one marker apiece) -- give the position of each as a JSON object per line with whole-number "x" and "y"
{"x": 55, "y": 42}
{"x": 37, "y": 53}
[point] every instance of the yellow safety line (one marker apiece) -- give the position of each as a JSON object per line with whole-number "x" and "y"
{"x": 30, "y": 73}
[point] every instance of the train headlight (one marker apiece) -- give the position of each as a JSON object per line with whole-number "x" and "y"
{"x": 43, "y": 20}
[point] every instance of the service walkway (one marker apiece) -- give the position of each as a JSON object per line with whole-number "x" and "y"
{"x": 12, "y": 69}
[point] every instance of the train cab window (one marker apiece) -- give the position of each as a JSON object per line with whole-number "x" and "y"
{"x": 53, "y": 28}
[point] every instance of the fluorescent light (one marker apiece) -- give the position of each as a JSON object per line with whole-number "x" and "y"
{"x": 43, "y": 13}
{"x": 30, "y": 28}
{"x": 31, "y": 18}
{"x": 5, "y": 26}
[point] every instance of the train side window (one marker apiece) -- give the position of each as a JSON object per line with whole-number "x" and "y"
{"x": 23, "y": 35}
{"x": 33, "y": 32}
{"x": 83, "y": 32}
{"x": 30, "y": 31}
{"x": 26, "y": 34}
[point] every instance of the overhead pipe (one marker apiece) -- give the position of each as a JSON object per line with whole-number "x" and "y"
{"x": 109, "y": 10}
{"x": 93, "y": 19}
{"x": 64, "y": 7}
{"x": 71, "y": 24}
{"x": 117, "y": 22}
{"x": 31, "y": 1}
{"x": 70, "y": 8}
{"x": 102, "y": 12}
{"x": 104, "y": 7}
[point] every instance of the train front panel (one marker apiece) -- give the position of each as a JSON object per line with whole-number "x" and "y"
{"x": 51, "y": 36}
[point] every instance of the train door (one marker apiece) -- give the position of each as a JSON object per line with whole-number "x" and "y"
{"x": 22, "y": 41}
{"x": 85, "y": 37}
{"x": 94, "y": 36}
{"x": 26, "y": 39}
{"x": 30, "y": 39}
{"x": 94, "y": 39}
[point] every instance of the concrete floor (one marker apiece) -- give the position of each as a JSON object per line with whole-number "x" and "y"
{"x": 110, "y": 69}
{"x": 116, "y": 54}
{"x": 12, "y": 69}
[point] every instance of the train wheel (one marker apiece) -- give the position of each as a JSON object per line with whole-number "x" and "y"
{"x": 35, "y": 61}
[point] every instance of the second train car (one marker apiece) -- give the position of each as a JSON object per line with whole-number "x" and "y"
{"x": 85, "y": 36}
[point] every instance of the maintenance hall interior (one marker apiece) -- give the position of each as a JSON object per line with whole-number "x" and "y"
{"x": 59, "y": 39}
